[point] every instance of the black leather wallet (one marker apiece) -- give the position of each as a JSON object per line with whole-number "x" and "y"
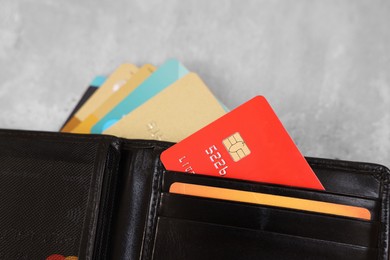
{"x": 101, "y": 197}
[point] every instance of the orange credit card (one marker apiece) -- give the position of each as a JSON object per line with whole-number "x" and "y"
{"x": 270, "y": 200}
{"x": 248, "y": 143}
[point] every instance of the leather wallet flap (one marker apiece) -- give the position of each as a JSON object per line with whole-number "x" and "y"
{"x": 54, "y": 192}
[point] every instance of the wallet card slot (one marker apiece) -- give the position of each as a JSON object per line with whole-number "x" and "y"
{"x": 372, "y": 205}
{"x": 271, "y": 219}
{"x": 184, "y": 239}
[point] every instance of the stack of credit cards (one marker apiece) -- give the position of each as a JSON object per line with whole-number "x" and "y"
{"x": 170, "y": 103}
{"x": 167, "y": 103}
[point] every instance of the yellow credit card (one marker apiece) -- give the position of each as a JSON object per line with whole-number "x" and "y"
{"x": 114, "y": 99}
{"x": 176, "y": 112}
{"x": 270, "y": 200}
{"x": 112, "y": 84}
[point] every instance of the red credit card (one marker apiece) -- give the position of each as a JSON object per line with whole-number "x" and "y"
{"x": 249, "y": 143}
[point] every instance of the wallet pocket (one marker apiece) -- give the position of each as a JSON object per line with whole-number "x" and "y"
{"x": 270, "y": 219}
{"x": 370, "y": 204}
{"x": 209, "y": 228}
{"x": 184, "y": 224}
{"x": 185, "y": 239}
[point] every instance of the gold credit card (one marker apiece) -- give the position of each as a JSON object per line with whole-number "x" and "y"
{"x": 114, "y": 82}
{"x": 114, "y": 99}
{"x": 176, "y": 112}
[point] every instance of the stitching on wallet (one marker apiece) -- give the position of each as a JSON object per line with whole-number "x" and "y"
{"x": 350, "y": 166}
{"x": 95, "y": 194}
{"x": 151, "y": 219}
{"x": 385, "y": 216}
{"x": 112, "y": 190}
{"x": 115, "y": 170}
{"x": 55, "y": 135}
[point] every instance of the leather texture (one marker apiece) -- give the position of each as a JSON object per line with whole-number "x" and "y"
{"x": 56, "y": 194}
{"x": 101, "y": 197}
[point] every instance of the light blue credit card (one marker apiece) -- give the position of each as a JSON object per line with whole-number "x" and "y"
{"x": 165, "y": 75}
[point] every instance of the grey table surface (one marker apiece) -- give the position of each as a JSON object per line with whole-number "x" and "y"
{"x": 323, "y": 65}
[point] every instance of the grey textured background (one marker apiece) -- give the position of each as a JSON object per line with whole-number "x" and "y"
{"x": 323, "y": 65}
